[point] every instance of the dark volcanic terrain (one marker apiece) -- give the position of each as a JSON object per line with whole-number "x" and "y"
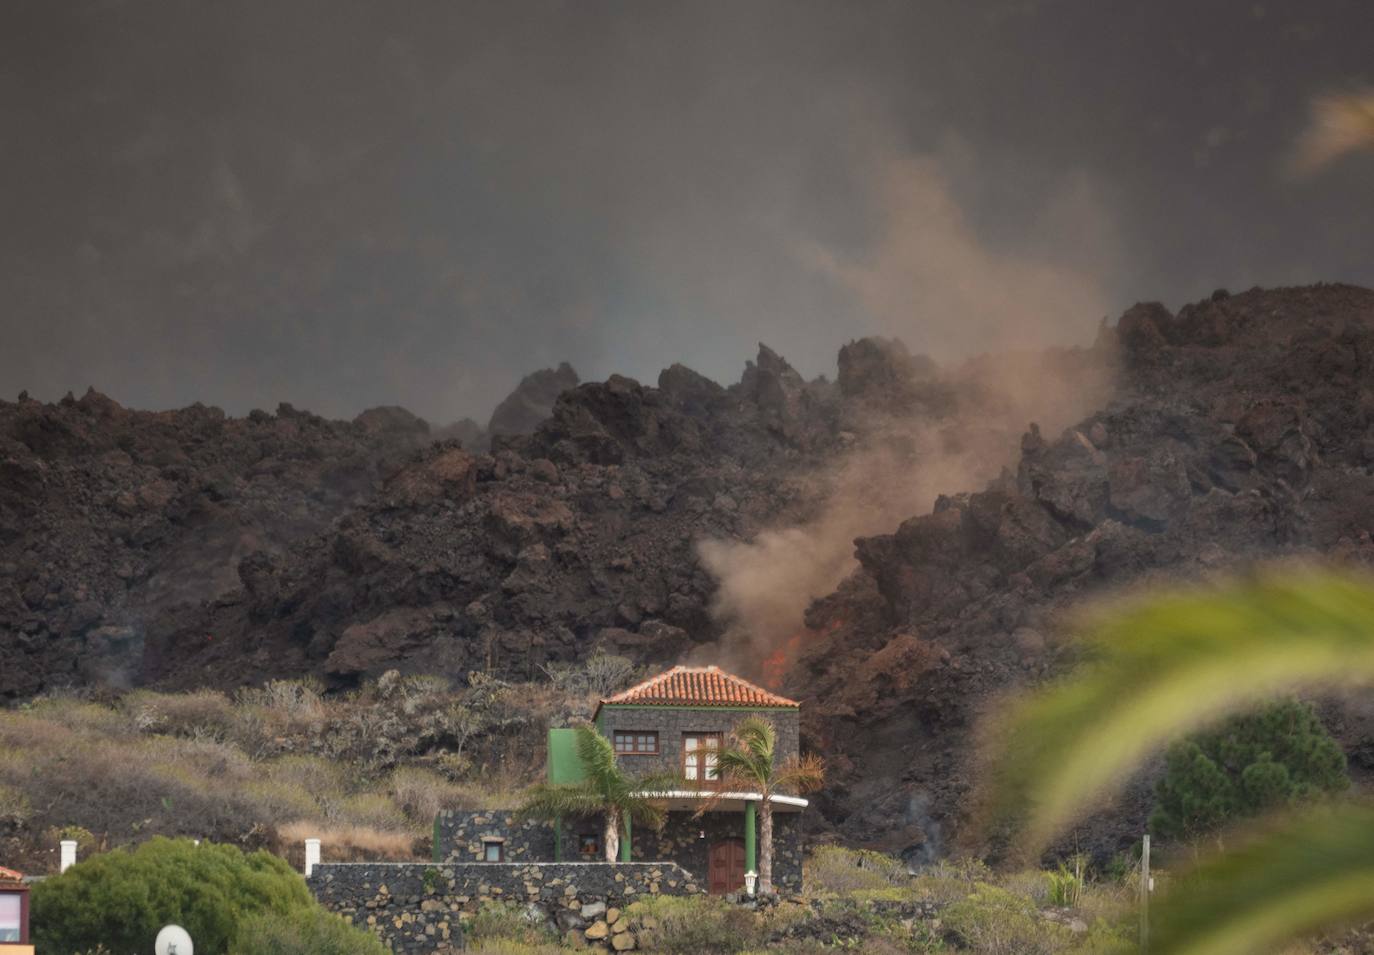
{"x": 186, "y": 548}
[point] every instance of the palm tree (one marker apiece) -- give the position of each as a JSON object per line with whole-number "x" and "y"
{"x": 1159, "y": 668}
{"x": 749, "y": 763}
{"x": 607, "y": 791}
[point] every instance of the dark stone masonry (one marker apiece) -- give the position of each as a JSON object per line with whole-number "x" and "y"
{"x": 461, "y": 836}
{"x": 672, "y": 724}
{"x": 416, "y": 908}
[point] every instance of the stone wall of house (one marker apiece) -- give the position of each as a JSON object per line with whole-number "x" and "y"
{"x": 417, "y": 909}
{"x": 671, "y": 723}
{"x": 687, "y": 840}
{"x": 459, "y": 836}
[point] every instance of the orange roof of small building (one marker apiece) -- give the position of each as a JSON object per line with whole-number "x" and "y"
{"x": 697, "y": 686}
{"x": 9, "y": 875}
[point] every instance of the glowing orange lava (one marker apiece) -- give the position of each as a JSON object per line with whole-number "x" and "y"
{"x": 779, "y": 663}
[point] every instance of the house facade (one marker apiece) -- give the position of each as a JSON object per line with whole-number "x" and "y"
{"x": 14, "y": 914}
{"x": 672, "y": 723}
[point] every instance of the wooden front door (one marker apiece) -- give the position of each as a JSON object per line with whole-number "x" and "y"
{"x": 727, "y": 867}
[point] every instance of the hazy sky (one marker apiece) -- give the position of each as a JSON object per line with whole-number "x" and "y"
{"x": 344, "y": 204}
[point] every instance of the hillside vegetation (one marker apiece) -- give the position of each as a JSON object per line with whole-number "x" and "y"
{"x": 365, "y": 771}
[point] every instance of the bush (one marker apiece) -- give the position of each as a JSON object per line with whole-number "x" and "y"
{"x": 421, "y": 794}
{"x": 122, "y": 898}
{"x": 509, "y": 922}
{"x": 694, "y": 925}
{"x": 373, "y": 810}
{"x": 200, "y": 714}
{"x": 992, "y": 921}
{"x": 15, "y": 809}
{"x": 311, "y": 931}
{"x": 503, "y": 946}
{"x": 1276, "y": 756}
{"x": 837, "y": 870}
{"x": 1065, "y": 886}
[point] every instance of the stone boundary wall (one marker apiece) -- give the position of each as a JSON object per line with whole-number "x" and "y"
{"x": 458, "y": 836}
{"x": 416, "y": 908}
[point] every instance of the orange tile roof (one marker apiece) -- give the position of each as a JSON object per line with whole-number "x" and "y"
{"x": 9, "y": 875}
{"x": 698, "y": 686}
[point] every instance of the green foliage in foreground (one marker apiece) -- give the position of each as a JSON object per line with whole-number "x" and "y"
{"x": 1256, "y": 762}
{"x": 1290, "y": 878}
{"x": 311, "y": 931}
{"x": 1162, "y": 668}
{"x": 121, "y": 899}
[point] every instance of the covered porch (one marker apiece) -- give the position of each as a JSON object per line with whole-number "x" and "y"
{"x": 720, "y": 847}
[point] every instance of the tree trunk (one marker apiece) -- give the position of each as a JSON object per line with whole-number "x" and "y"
{"x": 612, "y": 839}
{"x": 765, "y": 846}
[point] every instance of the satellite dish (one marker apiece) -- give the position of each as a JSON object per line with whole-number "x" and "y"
{"x": 173, "y": 940}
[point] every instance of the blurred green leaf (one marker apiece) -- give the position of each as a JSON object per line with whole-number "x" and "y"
{"x": 1159, "y": 668}
{"x": 1299, "y": 875}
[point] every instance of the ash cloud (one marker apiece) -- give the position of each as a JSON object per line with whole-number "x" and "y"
{"x": 928, "y": 278}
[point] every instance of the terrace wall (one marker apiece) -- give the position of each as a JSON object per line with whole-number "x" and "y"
{"x": 416, "y": 909}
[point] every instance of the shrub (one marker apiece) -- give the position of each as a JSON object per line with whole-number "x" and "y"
{"x": 200, "y": 714}
{"x": 372, "y": 810}
{"x": 310, "y": 931}
{"x": 421, "y": 793}
{"x": 1276, "y": 756}
{"x": 837, "y": 870}
{"x": 1065, "y": 886}
{"x": 693, "y": 925}
{"x": 86, "y": 841}
{"x": 601, "y": 674}
{"x": 505, "y": 946}
{"x": 952, "y": 880}
{"x": 992, "y": 921}
{"x": 122, "y": 898}
{"x": 279, "y": 800}
{"x": 323, "y": 779}
{"x": 509, "y": 922}
{"x": 15, "y": 809}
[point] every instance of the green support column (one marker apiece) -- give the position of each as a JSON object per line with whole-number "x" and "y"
{"x": 751, "y": 848}
{"x": 626, "y": 838}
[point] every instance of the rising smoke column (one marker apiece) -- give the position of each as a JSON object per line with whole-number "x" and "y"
{"x": 929, "y": 278}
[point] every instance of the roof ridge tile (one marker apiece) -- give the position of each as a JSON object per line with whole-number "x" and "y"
{"x": 701, "y": 686}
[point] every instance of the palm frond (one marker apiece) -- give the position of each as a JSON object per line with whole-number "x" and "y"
{"x": 598, "y": 758}
{"x": 743, "y": 767}
{"x": 551, "y": 800}
{"x": 1161, "y": 668}
{"x": 803, "y": 775}
{"x": 1294, "y": 877}
{"x": 757, "y": 736}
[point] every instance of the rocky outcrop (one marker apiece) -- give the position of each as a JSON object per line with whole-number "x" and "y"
{"x": 112, "y": 518}
{"x": 1238, "y": 433}
{"x": 525, "y": 408}
{"x": 184, "y": 547}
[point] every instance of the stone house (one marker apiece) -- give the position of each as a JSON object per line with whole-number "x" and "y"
{"x": 671, "y": 723}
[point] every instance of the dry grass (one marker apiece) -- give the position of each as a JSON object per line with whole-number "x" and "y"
{"x": 368, "y": 769}
{"x": 346, "y": 843}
